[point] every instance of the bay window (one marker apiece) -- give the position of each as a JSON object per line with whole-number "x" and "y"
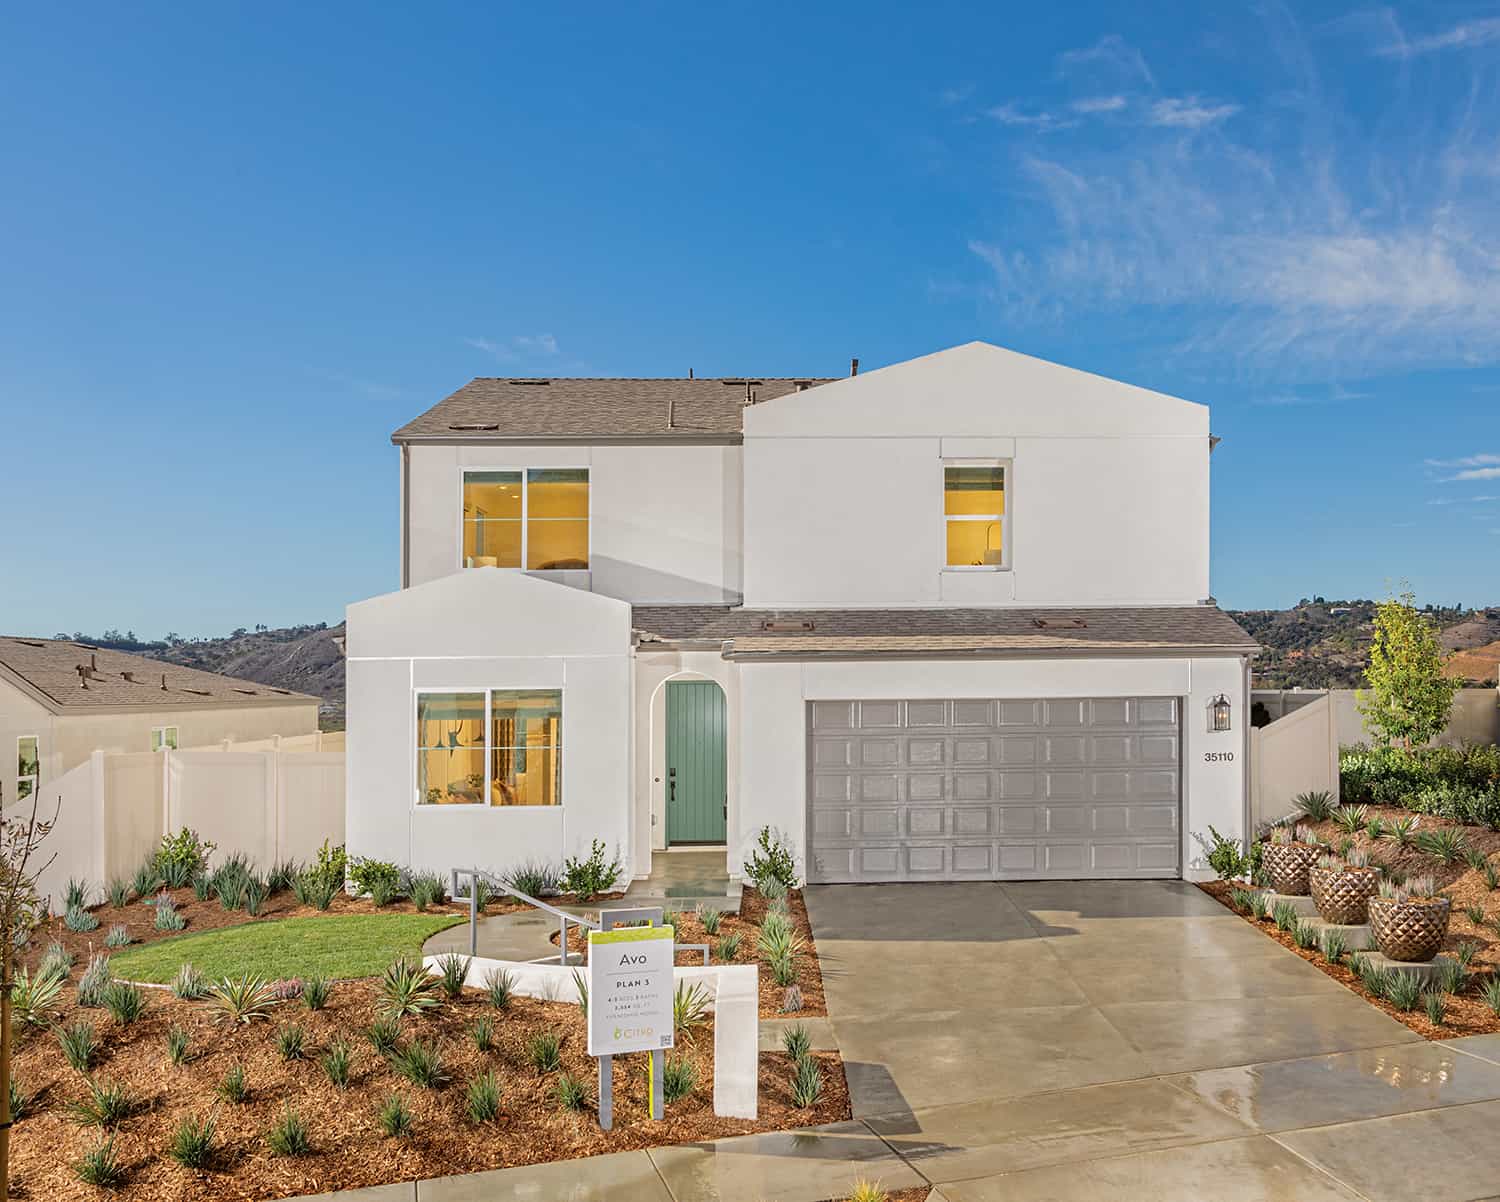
{"x": 489, "y": 747}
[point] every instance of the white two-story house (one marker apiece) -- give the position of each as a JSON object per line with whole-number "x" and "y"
{"x": 946, "y": 620}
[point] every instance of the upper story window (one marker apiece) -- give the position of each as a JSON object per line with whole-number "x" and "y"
{"x": 974, "y": 514}
{"x": 496, "y": 747}
{"x": 163, "y": 738}
{"x": 28, "y": 766}
{"x": 536, "y": 518}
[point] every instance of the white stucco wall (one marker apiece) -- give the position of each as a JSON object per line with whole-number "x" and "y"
{"x": 487, "y": 628}
{"x": 665, "y": 521}
{"x": 1107, "y": 492}
{"x": 774, "y": 696}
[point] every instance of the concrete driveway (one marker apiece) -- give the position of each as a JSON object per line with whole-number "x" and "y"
{"x": 1134, "y": 1041}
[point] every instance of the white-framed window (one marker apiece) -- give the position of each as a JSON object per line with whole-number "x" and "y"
{"x": 163, "y": 738}
{"x": 28, "y": 766}
{"x": 536, "y": 518}
{"x": 489, "y": 747}
{"x": 976, "y": 529}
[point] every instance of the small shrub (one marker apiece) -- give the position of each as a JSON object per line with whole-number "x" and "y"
{"x": 690, "y": 1009}
{"x": 394, "y": 1117}
{"x": 710, "y": 918}
{"x": 1475, "y": 858}
{"x": 428, "y": 890}
{"x": 118, "y": 892}
{"x": 679, "y": 1078}
{"x": 1447, "y": 843}
{"x": 1475, "y": 914}
{"x": 773, "y": 890}
{"x": 192, "y": 1144}
{"x": 203, "y": 887}
{"x": 1451, "y": 977}
{"x": 1305, "y": 935}
{"x": 1375, "y": 829}
{"x": 241, "y": 999}
{"x": 1333, "y": 945}
{"x": 79, "y": 919}
{"x": 190, "y": 984}
{"x": 281, "y": 876}
{"x": 1491, "y": 876}
{"x": 180, "y": 856}
{"x": 868, "y": 1191}
{"x": 291, "y": 1042}
{"x": 1260, "y": 906}
{"x": 75, "y": 894}
{"x": 1350, "y": 819}
{"x": 315, "y": 992}
{"x": 99, "y": 1166}
{"x": 1316, "y": 806}
{"x": 255, "y": 896}
{"x": 1286, "y": 916}
{"x": 58, "y": 958}
{"x": 729, "y": 946}
{"x": 289, "y": 1135}
{"x": 1402, "y": 831}
{"x": 178, "y": 1042}
{"x": 1436, "y": 1007}
{"x": 1489, "y": 991}
{"x": 587, "y": 878}
{"x": 96, "y": 977}
{"x": 500, "y": 987}
{"x": 1466, "y": 951}
{"x": 771, "y": 860}
{"x": 1239, "y": 898}
{"x": 482, "y": 1098}
{"x": 336, "y": 1060}
{"x": 143, "y": 884}
{"x": 421, "y": 1063}
{"x": 407, "y": 988}
{"x": 1404, "y": 990}
{"x": 105, "y": 1106}
{"x": 571, "y": 1092}
{"x": 535, "y": 878}
{"x": 316, "y": 891}
{"x": 368, "y": 876}
{"x": 453, "y": 971}
{"x": 383, "y": 893}
{"x": 544, "y": 1052}
{"x": 118, "y": 936}
{"x": 21, "y": 1101}
{"x": 34, "y": 998}
{"x": 807, "y": 1083}
{"x": 796, "y": 1041}
{"x": 384, "y": 1035}
{"x": 482, "y": 1032}
{"x": 232, "y": 1087}
{"x": 80, "y": 1045}
{"x": 125, "y": 1002}
{"x": 167, "y": 917}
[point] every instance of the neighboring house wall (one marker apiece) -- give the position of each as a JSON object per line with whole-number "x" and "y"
{"x": 774, "y": 697}
{"x": 664, "y": 521}
{"x": 488, "y": 629}
{"x": 21, "y": 716}
{"x": 1106, "y": 487}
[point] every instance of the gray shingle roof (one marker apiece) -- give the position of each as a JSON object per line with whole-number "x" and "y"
{"x": 51, "y": 668}
{"x": 574, "y": 408}
{"x": 939, "y": 632}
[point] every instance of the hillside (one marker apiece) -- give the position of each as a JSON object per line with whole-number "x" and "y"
{"x": 1326, "y": 644}
{"x": 303, "y": 658}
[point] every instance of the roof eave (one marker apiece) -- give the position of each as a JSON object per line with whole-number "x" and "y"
{"x": 1176, "y": 652}
{"x": 706, "y": 438}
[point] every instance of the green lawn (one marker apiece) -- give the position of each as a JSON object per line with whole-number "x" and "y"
{"x": 339, "y": 945}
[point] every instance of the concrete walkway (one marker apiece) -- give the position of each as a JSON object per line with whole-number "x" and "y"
{"x": 1132, "y": 1042}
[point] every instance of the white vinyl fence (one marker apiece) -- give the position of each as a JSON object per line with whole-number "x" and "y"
{"x": 113, "y": 809}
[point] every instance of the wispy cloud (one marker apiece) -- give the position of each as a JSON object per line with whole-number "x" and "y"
{"x": 1012, "y": 114}
{"x": 1465, "y": 36}
{"x": 1189, "y": 112}
{"x": 1481, "y": 460}
{"x": 1477, "y": 473}
{"x": 1089, "y": 105}
{"x": 1111, "y": 54}
{"x": 1292, "y": 244}
{"x": 519, "y": 346}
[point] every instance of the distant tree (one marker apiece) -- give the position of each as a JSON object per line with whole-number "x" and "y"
{"x": 1409, "y": 698}
{"x": 238, "y": 633}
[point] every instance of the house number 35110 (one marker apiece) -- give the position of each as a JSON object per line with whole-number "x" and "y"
{"x": 1218, "y": 757}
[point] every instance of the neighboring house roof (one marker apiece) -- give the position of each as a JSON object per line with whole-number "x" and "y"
{"x": 489, "y": 409}
{"x": 64, "y": 675}
{"x": 835, "y": 633}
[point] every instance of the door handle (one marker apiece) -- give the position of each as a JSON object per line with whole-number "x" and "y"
{"x": 672, "y": 785}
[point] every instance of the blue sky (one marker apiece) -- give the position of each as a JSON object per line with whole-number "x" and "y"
{"x": 242, "y": 243}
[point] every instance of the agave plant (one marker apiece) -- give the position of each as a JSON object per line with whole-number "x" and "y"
{"x": 1314, "y": 806}
{"x": 1351, "y": 819}
{"x": 1447, "y": 843}
{"x": 1402, "y": 831}
{"x": 407, "y": 988}
{"x": 241, "y": 999}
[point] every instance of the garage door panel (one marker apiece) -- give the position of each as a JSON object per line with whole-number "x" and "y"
{"x": 1001, "y": 788}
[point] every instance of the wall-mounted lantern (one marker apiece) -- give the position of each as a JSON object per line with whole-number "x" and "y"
{"x": 1218, "y": 714}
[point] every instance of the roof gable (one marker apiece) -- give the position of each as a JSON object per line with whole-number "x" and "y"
{"x": 976, "y": 390}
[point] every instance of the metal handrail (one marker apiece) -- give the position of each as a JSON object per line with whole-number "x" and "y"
{"x": 564, "y": 918}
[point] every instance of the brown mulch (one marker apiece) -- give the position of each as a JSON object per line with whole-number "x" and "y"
{"x": 689, "y": 929}
{"x": 1466, "y": 1014}
{"x": 348, "y": 1149}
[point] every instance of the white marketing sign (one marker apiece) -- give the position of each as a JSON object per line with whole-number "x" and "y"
{"x": 630, "y": 990}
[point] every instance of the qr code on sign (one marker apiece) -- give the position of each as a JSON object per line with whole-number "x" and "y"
{"x": 666, "y": 1041}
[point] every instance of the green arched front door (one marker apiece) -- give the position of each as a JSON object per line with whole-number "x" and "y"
{"x": 697, "y": 768}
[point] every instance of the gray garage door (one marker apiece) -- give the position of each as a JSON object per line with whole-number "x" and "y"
{"x": 994, "y": 790}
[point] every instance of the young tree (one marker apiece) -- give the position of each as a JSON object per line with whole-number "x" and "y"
{"x": 21, "y": 909}
{"x": 1409, "y": 698}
